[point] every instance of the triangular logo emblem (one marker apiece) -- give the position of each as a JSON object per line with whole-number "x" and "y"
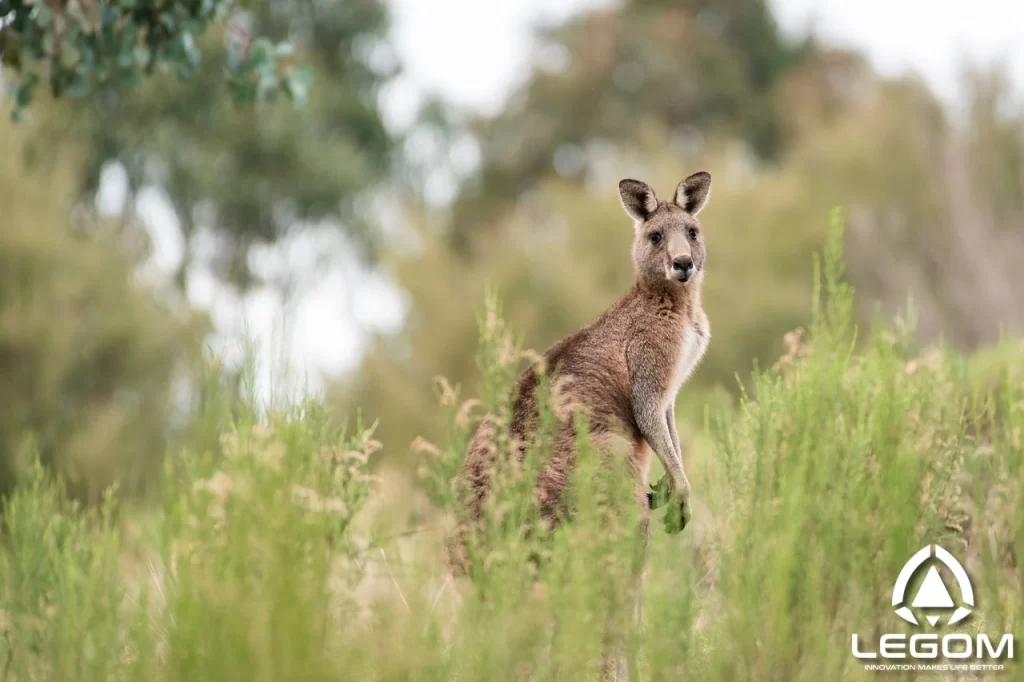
{"x": 933, "y": 593}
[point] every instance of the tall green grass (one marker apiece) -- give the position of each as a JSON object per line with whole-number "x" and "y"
{"x": 266, "y": 561}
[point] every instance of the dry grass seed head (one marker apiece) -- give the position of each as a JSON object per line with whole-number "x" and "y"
{"x": 536, "y": 360}
{"x": 448, "y": 394}
{"x": 563, "y": 401}
{"x": 368, "y": 445}
{"x": 422, "y": 446}
{"x": 796, "y": 349}
{"x": 493, "y": 324}
{"x": 464, "y": 416}
{"x": 220, "y": 485}
{"x": 507, "y": 354}
{"x": 310, "y": 500}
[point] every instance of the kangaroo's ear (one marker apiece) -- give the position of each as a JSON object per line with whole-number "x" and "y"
{"x": 637, "y": 198}
{"x": 693, "y": 192}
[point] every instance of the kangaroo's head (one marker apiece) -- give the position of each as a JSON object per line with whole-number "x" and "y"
{"x": 669, "y": 246}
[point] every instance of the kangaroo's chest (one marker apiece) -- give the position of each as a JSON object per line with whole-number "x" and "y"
{"x": 694, "y": 337}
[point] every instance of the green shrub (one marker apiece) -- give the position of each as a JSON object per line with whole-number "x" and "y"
{"x": 60, "y": 592}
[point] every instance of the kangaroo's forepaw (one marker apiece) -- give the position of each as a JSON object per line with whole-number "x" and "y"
{"x": 659, "y": 494}
{"x": 677, "y": 515}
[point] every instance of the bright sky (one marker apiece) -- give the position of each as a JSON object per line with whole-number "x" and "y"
{"x": 930, "y": 37}
{"x": 474, "y": 52}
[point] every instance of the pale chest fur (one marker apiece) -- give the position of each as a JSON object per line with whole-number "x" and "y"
{"x": 693, "y": 343}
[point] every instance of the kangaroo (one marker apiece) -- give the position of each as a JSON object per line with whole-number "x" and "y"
{"x": 624, "y": 369}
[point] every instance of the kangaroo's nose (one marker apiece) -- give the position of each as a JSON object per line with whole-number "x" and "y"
{"x": 682, "y": 268}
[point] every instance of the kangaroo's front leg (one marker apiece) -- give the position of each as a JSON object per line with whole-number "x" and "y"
{"x": 655, "y": 429}
{"x": 659, "y": 494}
{"x": 647, "y": 398}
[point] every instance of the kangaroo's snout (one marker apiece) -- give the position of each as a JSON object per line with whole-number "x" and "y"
{"x": 682, "y": 268}
{"x": 679, "y": 262}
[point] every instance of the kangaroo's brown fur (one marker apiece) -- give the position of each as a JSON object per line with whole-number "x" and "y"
{"x": 624, "y": 369}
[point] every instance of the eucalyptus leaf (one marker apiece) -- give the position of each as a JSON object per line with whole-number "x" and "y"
{"x": 69, "y": 56}
{"x": 97, "y": 41}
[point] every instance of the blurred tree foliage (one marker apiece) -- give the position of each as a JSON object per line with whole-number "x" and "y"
{"x": 251, "y": 176}
{"x": 694, "y": 68}
{"x": 88, "y": 358}
{"x": 91, "y": 360}
{"x": 76, "y": 46}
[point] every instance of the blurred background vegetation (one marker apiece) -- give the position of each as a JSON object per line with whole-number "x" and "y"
{"x": 96, "y": 344}
{"x": 185, "y": 257}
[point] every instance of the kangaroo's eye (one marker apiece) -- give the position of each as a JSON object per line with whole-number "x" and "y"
{"x": 655, "y": 238}
{"x": 693, "y": 233}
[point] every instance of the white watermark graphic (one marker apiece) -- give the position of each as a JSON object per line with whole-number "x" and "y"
{"x": 928, "y": 651}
